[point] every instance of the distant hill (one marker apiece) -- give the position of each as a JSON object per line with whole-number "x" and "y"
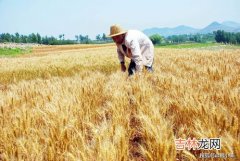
{"x": 216, "y": 26}
{"x": 231, "y": 24}
{"x": 228, "y": 26}
{"x": 179, "y": 30}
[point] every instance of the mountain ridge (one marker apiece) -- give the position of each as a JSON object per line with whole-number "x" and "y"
{"x": 229, "y": 26}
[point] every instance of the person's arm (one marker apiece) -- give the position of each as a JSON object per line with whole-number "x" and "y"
{"x": 136, "y": 54}
{"x": 121, "y": 58}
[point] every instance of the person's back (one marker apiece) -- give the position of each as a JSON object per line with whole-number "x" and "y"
{"x": 139, "y": 36}
{"x": 135, "y": 39}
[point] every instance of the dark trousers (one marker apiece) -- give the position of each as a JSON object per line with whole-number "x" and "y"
{"x": 132, "y": 68}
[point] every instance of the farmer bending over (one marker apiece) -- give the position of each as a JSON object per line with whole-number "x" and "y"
{"x": 134, "y": 45}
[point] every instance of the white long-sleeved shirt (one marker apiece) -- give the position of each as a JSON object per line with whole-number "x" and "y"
{"x": 139, "y": 48}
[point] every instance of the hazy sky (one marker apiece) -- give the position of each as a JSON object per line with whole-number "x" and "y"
{"x": 91, "y": 17}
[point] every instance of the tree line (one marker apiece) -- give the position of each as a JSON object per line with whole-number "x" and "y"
{"x": 37, "y": 38}
{"x": 218, "y": 36}
{"x": 227, "y": 37}
{"x": 176, "y": 39}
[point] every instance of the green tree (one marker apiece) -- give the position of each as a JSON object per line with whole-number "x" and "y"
{"x": 24, "y": 39}
{"x": 238, "y": 37}
{"x": 232, "y": 38}
{"x": 98, "y": 37}
{"x": 60, "y": 37}
{"x": 226, "y": 37}
{"x": 39, "y": 38}
{"x": 17, "y": 37}
{"x": 45, "y": 40}
{"x": 84, "y": 39}
{"x": 104, "y": 37}
{"x": 219, "y": 36}
{"x": 77, "y": 38}
{"x": 33, "y": 38}
{"x": 156, "y": 39}
{"x": 7, "y": 37}
{"x": 197, "y": 38}
{"x": 13, "y": 38}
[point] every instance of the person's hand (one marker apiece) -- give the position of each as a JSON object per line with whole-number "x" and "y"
{"x": 123, "y": 67}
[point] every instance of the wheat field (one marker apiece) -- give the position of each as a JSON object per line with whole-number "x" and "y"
{"x": 74, "y": 103}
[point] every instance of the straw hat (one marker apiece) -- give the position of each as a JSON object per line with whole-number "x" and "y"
{"x": 116, "y": 30}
